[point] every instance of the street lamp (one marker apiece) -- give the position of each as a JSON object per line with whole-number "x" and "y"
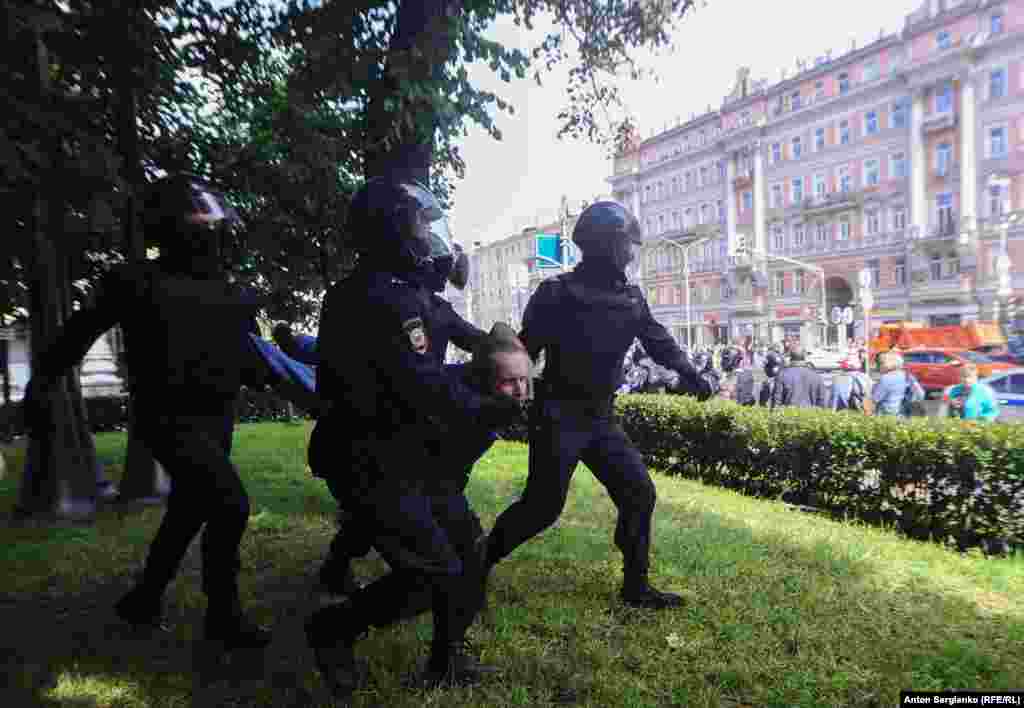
{"x": 686, "y": 277}
{"x": 1003, "y": 265}
{"x": 821, "y": 274}
{"x": 867, "y": 301}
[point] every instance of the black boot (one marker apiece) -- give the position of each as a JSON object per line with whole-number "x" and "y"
{"x": 637, "y": 592}
{"x": 332, "y": 633}
{"x": 226, "y": 623}
{"x": 452, "y": 664}
{"x": 142, "y": 609}
{"x": 337, "y": 577}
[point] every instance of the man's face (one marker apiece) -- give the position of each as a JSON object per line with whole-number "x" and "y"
{"x": 511, "y": 374}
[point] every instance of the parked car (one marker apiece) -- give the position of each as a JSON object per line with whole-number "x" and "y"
{"x": 1009, "y": 388}
{"x": 937, "y": 368}
{"x": 1000, "y": 353}
{"x": 825, "y": 359}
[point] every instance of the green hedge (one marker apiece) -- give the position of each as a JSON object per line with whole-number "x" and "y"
{"x": 960, "y": 483}
{"x": 943, "y": 479}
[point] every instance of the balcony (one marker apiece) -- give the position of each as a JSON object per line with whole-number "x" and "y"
{"x": 923, "y": 287}
{"x": 743, "y": 304}
{"x": 942, "y": 233}
{"x": 833, "y": 201}
{"x": 939, "y": 121}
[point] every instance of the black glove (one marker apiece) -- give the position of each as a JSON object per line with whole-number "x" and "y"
{"x": 282, "y": 334}
{"x": 500, "y": 411}
{"x": 710, "y": 384}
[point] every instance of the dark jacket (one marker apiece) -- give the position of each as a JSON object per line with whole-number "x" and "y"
{"x": 801, "y": 386}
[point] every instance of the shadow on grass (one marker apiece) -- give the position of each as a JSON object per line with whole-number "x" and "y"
{"x": 777, "y": 613}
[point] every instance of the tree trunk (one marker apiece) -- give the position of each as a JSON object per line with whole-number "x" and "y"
{"x": 396, "y": 148}
{"x": 144, "y": 480}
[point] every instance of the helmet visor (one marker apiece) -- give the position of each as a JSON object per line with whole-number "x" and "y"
{"x": 209, "y": 208}
{"x": 439, "y": 238}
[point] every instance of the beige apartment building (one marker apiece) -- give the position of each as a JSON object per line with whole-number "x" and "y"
{"x": 904, "y": 158}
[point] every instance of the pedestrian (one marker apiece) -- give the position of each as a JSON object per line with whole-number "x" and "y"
{"x": 186, "y": 332}
{"x": 897, "y": 390}
{"x": 386, "y": 401}
{"x": 737, "y": 380}
{"x": 797, "y": 384}
{"x": 851, "y": 391}
{"x": 584, "y": 321}
{"x": 772, "y": 366}
{"x": 971, "y": 399}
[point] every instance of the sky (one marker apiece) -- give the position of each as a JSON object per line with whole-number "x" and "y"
{"x": 510, "y": 183}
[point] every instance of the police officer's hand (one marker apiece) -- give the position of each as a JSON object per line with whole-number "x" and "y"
{"x": 499, "y": 410}
{"x": 710, "y": 384}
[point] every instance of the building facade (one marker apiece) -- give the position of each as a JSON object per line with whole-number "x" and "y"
{"x": 903, "y": 157}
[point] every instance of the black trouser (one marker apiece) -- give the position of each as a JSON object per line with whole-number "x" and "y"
{"x": 205, "y": 491}
{"x": 561, "y": 434}
{"x": 428, "y": 542}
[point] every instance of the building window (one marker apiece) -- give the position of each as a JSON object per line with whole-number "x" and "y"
{"x": 844, "y": 229}
{"x": 950, "y": 266}
{"x": 798, "y": 236}
{"x": 871, "y": 70}
{"x": 872, "y": 222}
{"x": 997, "y": 142}
{"x": 943, "y": 158}
{"x": 725, "y": 290}
{"x": 647, "y": 193}
{"x": 675, "y": 185}
{"x": 676, "y": 222}
{"x": 821, "y": 233}
{"x": 661, "y": 190}
{"x": 748, "y": 200}
{"x": 798, "y": 190}
{"x": 874, "y": 267}
{"x": 778, "y": 238}
{"x": 900, "y": 112}
{"x": 899, "y": 272}
{"x": 871, "y": 122}
{"x": 705, "y": 292}
{"x": 689, "y": 181}
{"x": 995, "y": 24}
{"x": 688, "y": 217}
{"x": 799, "y": 287}
{"x": 844, "y": 132}
{"x": 778, "y": 284}
{"x": 795, "y": 96}
{"x": 776, "y": 152}
{"x": 997, "y": 83}
{"x": 661, "y": 223}
{"x": 944, "y": 99}
{"x": 997, "y": 200}
{"x": 819, "y": 89}
{"x": 943, "y": 40}
{"x": 819, "y": 138}
{"x": 776, "y": 195}
{"x": 844, "y": 83}
{"x": 797, "y": 148}
{"x": 944, "y": 212}
{"x": 819, "y": 186}
{"x": 898, "y": 165}
{"x": 721, "y": 171}
{"x": 703, "y": 176}
{"x": 935, "y": 267}
{"x": 721, "y": 211}
{"x": 706, "y": 214}
{"x": 872, "y": 172}
{"x": 845, "y": 179}
{"x": 899, "y": 218}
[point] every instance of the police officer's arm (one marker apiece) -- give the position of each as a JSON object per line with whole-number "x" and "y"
{"x": 422, "y": 381}
{"x": 83, "y": 328}
{"x": 658, "y": 343}
{"x": 535, "y": 330}
{"x": 463, "y": 334}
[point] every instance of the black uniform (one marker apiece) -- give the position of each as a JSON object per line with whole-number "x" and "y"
{"x": 186, "y": 340}
{"x": 585, "y": 321}
{"x": 384, "y": 396}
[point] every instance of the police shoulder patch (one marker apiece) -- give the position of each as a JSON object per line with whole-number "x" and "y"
{"x": 415, "y": 330}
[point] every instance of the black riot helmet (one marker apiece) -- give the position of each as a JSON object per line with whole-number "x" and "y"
{"x": 732, "y": 357}
{"x": 399, "y": 226}
{"x": 608, "y": 233}
{"x": 772, "y": 364}
{"x": 187, "y": 218}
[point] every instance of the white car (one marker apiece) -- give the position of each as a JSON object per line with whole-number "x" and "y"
{"x": 825, "y": 359}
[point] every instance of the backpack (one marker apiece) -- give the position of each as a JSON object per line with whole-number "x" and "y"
{"x": 859, "y": 400}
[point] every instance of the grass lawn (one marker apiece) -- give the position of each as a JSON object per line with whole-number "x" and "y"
{"x": 782, "y": 608}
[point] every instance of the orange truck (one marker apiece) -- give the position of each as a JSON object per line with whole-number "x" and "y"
{"x": 907, "y": 335}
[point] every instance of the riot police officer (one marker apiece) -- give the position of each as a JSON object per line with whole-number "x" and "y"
{"x": 585, "y": 320}
{"x": 772, "y": 366}
{"x": 383, "y": 397}
{"x": 186, "y": 336}
{"x": 737, "y": 381}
